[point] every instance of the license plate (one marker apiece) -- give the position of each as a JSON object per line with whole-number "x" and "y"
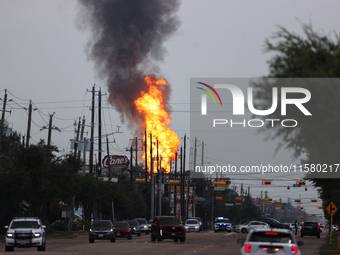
{"x": 118, "y": 234}
{"x": 100, "y": 235}
{"x": 22, "y": 241}
{"x": 173, "y": 234}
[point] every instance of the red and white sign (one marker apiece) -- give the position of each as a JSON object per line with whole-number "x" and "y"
{"x": 116, "y": 161}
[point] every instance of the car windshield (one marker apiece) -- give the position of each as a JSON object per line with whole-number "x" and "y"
{"x": 121, "y": 225}
{"x": 142, "y": 222}
{"x": 102, "y": 224}
{"x": 191, "y": 222}
{"x": 223, "y": 221}
{"x": 169, "y": 221}
{"x": 24, "y": 224}
{"x": 246, "y": 223}
{"x": 272, "y": 237}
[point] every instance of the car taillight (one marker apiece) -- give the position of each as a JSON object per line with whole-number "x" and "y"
{"x": 294, "y": 250}
{"x": 247, "y": 248}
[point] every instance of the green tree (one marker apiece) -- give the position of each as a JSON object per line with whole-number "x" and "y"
{"x": 312, "y": 55}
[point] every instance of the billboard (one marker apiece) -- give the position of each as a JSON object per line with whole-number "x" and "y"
{"x": 116, "y": 161}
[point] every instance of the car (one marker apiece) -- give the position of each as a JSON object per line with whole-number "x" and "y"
{"x": 149, "y": 224}
{"x": 25, "y": 232}
{"x": 273, "y": 223}
{"x": 222, "y": 224}
{"x": 245, "y": 227}
{"x": 200, "y": 222}
{"x": 102, "y": 229}
{"x": 143, "y": 225}
{"x": 123, "y": 229}
{"x": 310, "y": 228}
{"x": 135, "y": 227}
{"x": 192, "y": 225}
{"x": 292, "y": 226}
{"x": 167, "y": 227}
{"x": 270, "y": 241}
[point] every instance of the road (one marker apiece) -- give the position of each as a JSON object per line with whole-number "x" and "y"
{"x": 206, "y": 242}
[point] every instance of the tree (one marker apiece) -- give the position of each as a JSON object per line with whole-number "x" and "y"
{"x": 313, "y": 55}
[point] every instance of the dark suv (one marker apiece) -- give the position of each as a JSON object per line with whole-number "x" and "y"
{"x": 102, "y": 229}
{"x": 273, "y": 223}
{"x": 167, "y": 227}
{"x": 310, "y": 228}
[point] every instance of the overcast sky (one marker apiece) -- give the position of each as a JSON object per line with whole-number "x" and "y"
{"x": 42, "y": 59}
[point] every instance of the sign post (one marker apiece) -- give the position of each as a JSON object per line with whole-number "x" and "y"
{"x": 331, "y": 209}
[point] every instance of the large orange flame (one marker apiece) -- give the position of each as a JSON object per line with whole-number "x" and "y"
{"x": 156, "y": 123}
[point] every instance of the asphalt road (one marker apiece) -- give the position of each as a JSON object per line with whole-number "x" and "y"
{"x": 206, "y": 242}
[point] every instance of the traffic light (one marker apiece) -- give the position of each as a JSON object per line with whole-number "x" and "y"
{"x": 266, "y": 182}
{"x": 306, "y": 189}
{"x": 319, "y": 207}
{"x": 297, "y": 183}
{"x": 302, "y": 183}
{"x": 288, "y": 187}
{"x": 300, "y": 208}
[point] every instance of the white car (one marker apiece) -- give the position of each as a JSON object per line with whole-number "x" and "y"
{"x": 192, "y": 225}
{"x": 25, "y": 233}
{"x": 245, "y": 227}
{"x": 292, "y": 226}
{"x": 222, "y": 224}
{"x": 270, "y": 241}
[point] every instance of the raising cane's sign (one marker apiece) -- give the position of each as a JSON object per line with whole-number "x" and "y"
{"x": 116, "y": 161}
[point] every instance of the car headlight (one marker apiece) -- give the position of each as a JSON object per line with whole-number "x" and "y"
{"x": 37, "y": 234}
{"x": 111, "y": 230}
{"x": 91, "y": 230}
{"x": 9, "y": 235}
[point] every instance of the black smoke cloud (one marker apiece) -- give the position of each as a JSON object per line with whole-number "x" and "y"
{"x": 127, "y": 40}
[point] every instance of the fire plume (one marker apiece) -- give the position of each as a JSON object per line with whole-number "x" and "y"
{"x": 156, "y": 122}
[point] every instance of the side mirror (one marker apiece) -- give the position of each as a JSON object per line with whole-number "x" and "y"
{"x": 6, "y": 226}
{"x": 300, "y": 243}
{"x": 43, "y": 226}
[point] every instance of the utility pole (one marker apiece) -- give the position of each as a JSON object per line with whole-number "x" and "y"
{"x": 182, "y": 188}
{"x": 152, "y": 182}
{"x": 175, "y": 187}
{"x": 160, "y": 189}
{"x": 82, "y": 135}
{"x": 77, "y": 138}
{"x": 146, "y": 160}
{"x": 29, "y": 124}
{"x": 50, "y": 127}
{"x": 100, "y": 129}
{"x": 194, "y": 192}
{"x": 92, "y": 132}
{"x": 2, "y": 123}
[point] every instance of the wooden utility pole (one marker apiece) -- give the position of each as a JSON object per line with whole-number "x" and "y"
{"x": 29, "y": 124}
{"x": 82, "y": 136}
{"x": 77, "y": 139}
{"x": 146, "y": 160}
{"x": 49, "y": 131}
{"x": 100, "y": 129}
{"x": 92, "y": 132}
{"x": 175, "y": 187}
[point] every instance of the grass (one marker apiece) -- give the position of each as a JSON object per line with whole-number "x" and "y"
{"x": 328, "y": 248}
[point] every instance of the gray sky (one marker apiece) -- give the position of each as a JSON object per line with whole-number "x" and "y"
{"x": 42, "y": 59}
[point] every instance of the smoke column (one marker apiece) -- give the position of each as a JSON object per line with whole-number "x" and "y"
{"x": 126, "y": 36}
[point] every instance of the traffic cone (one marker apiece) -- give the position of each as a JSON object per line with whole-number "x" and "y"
{"x": 234, "y": 234}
